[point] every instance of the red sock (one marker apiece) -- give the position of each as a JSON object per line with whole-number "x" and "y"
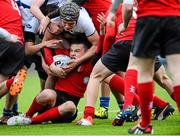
{"x": 130, "y": 87}
{"x": 48, "y": 115}
{"x": 89, "y": 111}
{"x": 117, "y": 84}
{"x": 9, "y": 82}
{"x": 135, "y": 100}
{"x": 35, "y": 107}
{"x": 158, "y": 102}
{"x": 177, "y": 96}
{"x": 172, "y": 96}
{"x": 145, "y": 92}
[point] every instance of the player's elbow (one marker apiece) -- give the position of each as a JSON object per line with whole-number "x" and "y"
{"x": 128, "y": 8}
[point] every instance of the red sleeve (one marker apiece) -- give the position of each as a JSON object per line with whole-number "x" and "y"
{"x": 109, "y": 38}
{"x": 100, "y": 43}
{"x": 48, "y": 56}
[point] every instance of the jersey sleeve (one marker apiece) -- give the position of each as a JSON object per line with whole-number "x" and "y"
{"x": 86, "y": 22}
{"x": 48, "y": 56}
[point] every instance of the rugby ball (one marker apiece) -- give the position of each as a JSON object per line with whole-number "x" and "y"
{"x": 61, "y": 60}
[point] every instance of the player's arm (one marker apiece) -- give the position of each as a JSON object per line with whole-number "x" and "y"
{"x": 111, "y": 16}
{"x": 93, "y": 39}
{"x": 115, "y": 5}
{"x": 127, "y": 10}
{"x": 35, "y": 9}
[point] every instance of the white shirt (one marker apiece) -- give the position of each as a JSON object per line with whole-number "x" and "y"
{"x": 84, "y": 24}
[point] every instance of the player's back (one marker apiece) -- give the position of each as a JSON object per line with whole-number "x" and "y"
{"x": 10, "y": 18}
{"x": 158, "y": 8}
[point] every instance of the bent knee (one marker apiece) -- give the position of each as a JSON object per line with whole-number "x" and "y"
{"x": 46, "y": 96}
{"x": 67, "y": 109}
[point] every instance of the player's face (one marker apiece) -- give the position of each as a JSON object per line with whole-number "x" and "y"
{"x": 77, "y": 51}
{"x": 68, "y": 25}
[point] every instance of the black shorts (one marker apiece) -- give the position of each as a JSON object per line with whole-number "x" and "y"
{"x": 117, "y": 58}
{"x": 157, "y": 36}
{"x": 63, "y": 97}
{"x": 11, "y": 58}
{"x": 96, "y": 57}
{"x": 157, "y": 64}
{"x": 36, "y": 59}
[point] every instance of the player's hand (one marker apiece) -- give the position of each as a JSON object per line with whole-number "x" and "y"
{"x": 72, "y": 64}
{"x": 59, "y": 72}
{"x": 121, "y": 28}
{"x": 111, "y": 19}
{"x": 43, "y": 24}
{"x": 101, "y": 19}
{"x": 53, "y": 44}
{"x": 47, "y": 69}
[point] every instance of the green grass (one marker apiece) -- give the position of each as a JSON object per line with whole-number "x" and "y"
{"x": 170, "y": 126}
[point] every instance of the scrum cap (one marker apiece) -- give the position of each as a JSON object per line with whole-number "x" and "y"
{"x": 69, "y": 12}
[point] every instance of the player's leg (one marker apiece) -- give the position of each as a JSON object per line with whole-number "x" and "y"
{"x": 173, "y": 66}
{"x": 102, "y": 112}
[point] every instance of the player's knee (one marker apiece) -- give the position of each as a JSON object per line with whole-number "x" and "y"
{"x": 71, "y": 107}
{"x": 68, "y": 109}
{"x": 46, "y": 96}
{"x": 97, "y": 75}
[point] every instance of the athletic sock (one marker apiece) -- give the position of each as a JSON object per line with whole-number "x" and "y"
{"x": 117, "y": 83}
{"x": 158, "y": 102}
{"x": 104, "y": 102}
{"x": 89, "y": 111}
{"x": 48, "y": 115}
{"x": 8, "y": 113}
{"x": 177, "y": 96}
{"x": 9, "y": 82}
{"x": 130, "y": 87}
{"x": 145, "y": 92}
{"x": 34, "y": 108}
{"x": 15, "y": 108}
{"x": 172, "y": 96}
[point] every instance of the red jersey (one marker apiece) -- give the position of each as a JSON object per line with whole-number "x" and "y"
{"x": 10, "y": 18}
{"x": 94, "y": 7}
{"x": 49, "y": 53}
{"x": 112, "y": 35}
{"x": 75, "y": 82}
{"x": 158, "y": 8}
{"x": 129, "y": 33}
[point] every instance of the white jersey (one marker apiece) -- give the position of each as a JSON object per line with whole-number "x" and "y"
{"x": 58, "y": 2}
{"x": 30, "y": 22}
{"x": 84, "y": 24}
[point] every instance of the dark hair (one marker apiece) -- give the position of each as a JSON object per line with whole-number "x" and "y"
{"x": 69, "y": 12}
{"x": 80, "y": 2}
{"x": 85, "y": 42}
{"x": 50, "y": 8}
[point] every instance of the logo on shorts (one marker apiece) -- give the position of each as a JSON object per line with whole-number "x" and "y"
{"x": 86, "y": 79}
{"x": 28, "y": 26}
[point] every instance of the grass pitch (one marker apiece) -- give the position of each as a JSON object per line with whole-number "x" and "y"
{"x": 170, "y": 126}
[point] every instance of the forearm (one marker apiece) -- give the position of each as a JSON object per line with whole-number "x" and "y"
{"x": 31, "y": 49}
{"x": 127, "y": 10}
{"x": 37, "y": 12}
{"x": 54, "y": 13}
{"x": 89, "y": 54}
{"x": 115, "y": 5}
